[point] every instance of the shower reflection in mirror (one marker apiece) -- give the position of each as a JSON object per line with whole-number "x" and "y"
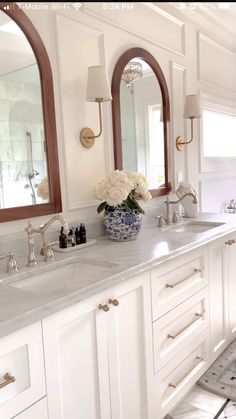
{"x": 23, "y": 162}
{"x": 142, "y": 122}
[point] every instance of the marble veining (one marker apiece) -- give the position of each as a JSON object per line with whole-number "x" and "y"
{"x": 99, "y": 268}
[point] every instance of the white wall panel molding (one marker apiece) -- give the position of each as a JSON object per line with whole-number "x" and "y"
{"x": 220, "y": 69}
{"x": 213, "y": 176}
{"x": 78, "y": 113}
{"x": 214, "y": 106}
{"x": 219, "y": 102}
{"x": 222, "y": 95}
{"x": 178, "y": 92}
{"x": 163, "y": 29}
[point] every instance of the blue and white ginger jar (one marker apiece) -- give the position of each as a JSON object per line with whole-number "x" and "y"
{"x": 121, "y": 224}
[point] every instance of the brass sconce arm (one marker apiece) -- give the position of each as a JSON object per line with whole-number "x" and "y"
{"x": 180, "y": 141}
{"x": 191, "y": 111}
{"x": 98, "y": 90}
{"x": 87, "y": 137}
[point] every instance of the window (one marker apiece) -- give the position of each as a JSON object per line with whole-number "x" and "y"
{"x": 156, "y": 160}
{"x": 219, "y": 131}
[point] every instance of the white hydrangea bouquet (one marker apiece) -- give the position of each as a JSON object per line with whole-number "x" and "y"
{"x": 122, "y": 189}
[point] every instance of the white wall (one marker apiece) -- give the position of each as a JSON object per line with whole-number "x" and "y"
{"x": 189, "y": 54}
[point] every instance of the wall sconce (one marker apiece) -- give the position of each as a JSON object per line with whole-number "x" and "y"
{"x": 191, "y": 111}
{"x": 98, "y": 90}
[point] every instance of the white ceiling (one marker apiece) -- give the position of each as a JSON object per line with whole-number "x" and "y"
{"x": 4, "y": 19}
{"x": 15, "y": 50}
{"x": 222, "y": 13}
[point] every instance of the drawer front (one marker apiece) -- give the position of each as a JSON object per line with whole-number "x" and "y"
{"x": 175, "y": 281}
{"x": 22, "y": 380}
{"x": 178, "y": 376}
{"x": 37, "y": 411}
{"x": 175, "y": 330}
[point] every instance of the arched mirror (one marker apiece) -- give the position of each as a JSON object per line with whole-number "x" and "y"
{"x": 141, "y": 115}
{"x": 29, "y": 170}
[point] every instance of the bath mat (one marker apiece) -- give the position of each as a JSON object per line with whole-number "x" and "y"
{"x": 220, "y": 378}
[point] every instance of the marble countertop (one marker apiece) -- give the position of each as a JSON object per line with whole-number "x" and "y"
{"x": 35, "y": 293}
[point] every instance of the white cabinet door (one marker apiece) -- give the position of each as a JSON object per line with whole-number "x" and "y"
{"x": 130, "y": 350}
{"x": 99, "y": 364}
{"x": 76, "y": 362}
{"x": 37, "y": 411}
{"x": 218, "y": 301}
{"x": 230, "y": 260}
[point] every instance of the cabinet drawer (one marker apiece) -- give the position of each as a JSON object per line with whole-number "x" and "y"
{"x": 21, "y": 371}
{"x": 176, "y": 280}
{"x": 175, "y": 379}
{"x": 179, "y": 327}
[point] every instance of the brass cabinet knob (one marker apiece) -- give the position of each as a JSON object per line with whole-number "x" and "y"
{"x": 103, "y": 307}
{"x": 230, "y": 242}
{"x": 114, "y": 302}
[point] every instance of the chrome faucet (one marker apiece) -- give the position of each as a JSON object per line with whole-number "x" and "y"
{"x": 30, "y": 230}
{"x": 168, "y": 203}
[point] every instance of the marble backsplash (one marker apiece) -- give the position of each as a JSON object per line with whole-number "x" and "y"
{"x": 18, "y": 243}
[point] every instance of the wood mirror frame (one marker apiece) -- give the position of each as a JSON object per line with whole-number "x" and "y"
{"x": 39, "y": 50}
{"x": 116, "y": 113}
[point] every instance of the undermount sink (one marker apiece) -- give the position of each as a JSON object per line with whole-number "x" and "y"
{"x": 62, "y": 280}
{"x": 194, "y": 227}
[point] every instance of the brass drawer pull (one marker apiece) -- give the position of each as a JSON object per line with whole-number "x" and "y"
{"x": 196, "y": 317}
{"x": 230, "y": 242}
{"x": 8, "y": 379}
{"x": 199, "y": 359}
{"x": 114, "y": 302}
{"x": 103, "y": 307}
{"x": 196, "y": 271}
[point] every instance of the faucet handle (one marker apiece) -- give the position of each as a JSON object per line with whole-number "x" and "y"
{"x": 160, "y": 221}
{"x": 176, "y": 218}
{"x": 49, "y": 257}
{"x": 11, "y": 263}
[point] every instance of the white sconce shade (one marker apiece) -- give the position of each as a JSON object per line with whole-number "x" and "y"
{"x": 191, "y": 111}
{"x": 192, "y": 107}
{"x": 98, "y": 88}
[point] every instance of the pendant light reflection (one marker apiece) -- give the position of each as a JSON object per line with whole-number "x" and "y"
{"x": 132, "y": 71}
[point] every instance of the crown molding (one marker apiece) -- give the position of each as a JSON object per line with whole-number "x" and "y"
{"x": 212, "y": 24}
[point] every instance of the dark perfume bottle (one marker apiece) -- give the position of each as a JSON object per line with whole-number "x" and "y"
{"x": 77, "y": 236}
{"x": 62, "y": 240}
{"x": 82, "y": 233}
